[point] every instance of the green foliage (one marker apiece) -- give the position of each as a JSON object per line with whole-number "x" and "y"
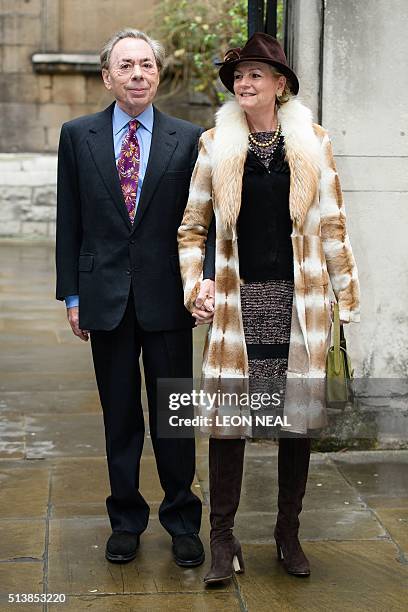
{"x": 196, "y": 34}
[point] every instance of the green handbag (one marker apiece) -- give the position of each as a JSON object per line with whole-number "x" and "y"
{"x": 339, "y": 373}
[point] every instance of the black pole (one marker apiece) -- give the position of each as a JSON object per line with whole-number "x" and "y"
{"x": 271, "y": 17}
{"x": 255, "y": 16}
{"x": 257, "y": 22}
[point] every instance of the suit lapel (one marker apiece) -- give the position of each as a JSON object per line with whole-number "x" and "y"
{"x": 100, "y": 142}
{"x": 163, "y": 145}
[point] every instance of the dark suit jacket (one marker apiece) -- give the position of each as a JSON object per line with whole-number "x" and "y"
{"x": 98, "y": 252}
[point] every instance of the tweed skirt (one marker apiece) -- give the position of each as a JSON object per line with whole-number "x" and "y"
{"x": 267, "y": 314}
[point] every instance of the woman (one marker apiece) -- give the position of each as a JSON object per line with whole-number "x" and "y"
{"x": 267, "y": 175}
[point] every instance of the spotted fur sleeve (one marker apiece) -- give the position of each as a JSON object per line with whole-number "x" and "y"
{"x": 336, "y": 243}
{"x": 192, "y": 233}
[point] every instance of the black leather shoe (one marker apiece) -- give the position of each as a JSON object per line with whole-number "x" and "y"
{"x": 188, "y": 550}
{"x": 122, "y": 546}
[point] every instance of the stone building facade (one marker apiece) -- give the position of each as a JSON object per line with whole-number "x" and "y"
{"x": 34, "y": 104}
{"x": 49, "y": 74}
{"x": 350, "y": 59}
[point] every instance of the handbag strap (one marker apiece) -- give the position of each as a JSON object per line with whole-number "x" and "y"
{"x": 337, "y": 333}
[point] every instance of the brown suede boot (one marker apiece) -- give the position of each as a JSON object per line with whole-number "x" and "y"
{"x": 226, "y": 461}
{"x": 293, "y": 467}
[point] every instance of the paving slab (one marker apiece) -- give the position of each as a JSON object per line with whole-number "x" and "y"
{"x": 338, "y": 524}
{"x": 27, "y": 308}
{"x": 19, "y": 607}
{"x": 395, "y": 521}
{"x": 20, "y": 578}
{"x": 346, "y": 576}
{"x": 83, "y": 482}
{"x": 79, "y": 487}
{"x": 22, "y": 539}
{"x": 78, "y": 565}
{"x": 53, "y": 380}
{"x": 50, "y": 435}
{"x": 166, "y": 602}
{"x": 24, "y": 493}
{"x": 12, "y": 434}
{"x": 380, "y": 480}
{"x": 32, "y": 325}
{"x": 33, "y": 338}
{"x": 326, "y": 487}
{"x": 44, "y": 358}
{"x": 55, "y": 402}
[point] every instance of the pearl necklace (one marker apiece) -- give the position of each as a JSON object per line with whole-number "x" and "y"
{"x": 266, "y": 153}
{"x": 266, "y": 143}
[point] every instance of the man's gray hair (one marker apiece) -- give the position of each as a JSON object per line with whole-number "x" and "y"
{"x": 157, "y": 48}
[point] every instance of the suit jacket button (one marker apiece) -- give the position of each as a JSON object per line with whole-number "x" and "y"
{"x": 128, "y": 272}
{"x": 132, "y": 242}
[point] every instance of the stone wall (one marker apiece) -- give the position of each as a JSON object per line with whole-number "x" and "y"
{"x": 33, "y": 106}
{"x": 359, "y": 95}
{"x": 27, "y": 195}
{"x": 356, "y": 81}
{"x": 364, "y": 106}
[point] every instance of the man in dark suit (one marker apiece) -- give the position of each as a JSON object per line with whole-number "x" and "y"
{"x": 123, "y": 180}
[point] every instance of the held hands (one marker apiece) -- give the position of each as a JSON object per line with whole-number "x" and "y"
{"x": 203, "y": 311}
{"x": 73, "y": 318}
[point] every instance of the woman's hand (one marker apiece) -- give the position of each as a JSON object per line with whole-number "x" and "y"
{"x": 204, "y": 304}
{"x": 332, "y": 314}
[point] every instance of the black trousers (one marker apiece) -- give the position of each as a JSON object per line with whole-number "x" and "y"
{"x": 165, "y": 354}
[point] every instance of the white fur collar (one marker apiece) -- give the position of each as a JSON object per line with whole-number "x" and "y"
{"x": 302, "y": 151}
{"x": 296, "y": 120}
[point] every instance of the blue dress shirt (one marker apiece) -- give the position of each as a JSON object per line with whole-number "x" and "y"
{"x": 120, "y": 121}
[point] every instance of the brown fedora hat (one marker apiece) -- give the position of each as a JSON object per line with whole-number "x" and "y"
{"x": 260, "y": 48}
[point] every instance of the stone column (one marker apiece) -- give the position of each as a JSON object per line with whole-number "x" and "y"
{"x": 303, "y": 40}
{"x": 365, "y": 88}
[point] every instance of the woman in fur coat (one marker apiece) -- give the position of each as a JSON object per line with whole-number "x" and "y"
{"x": 266, "y": 175}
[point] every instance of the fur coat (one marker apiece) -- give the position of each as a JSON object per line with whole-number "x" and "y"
{"x": 323, "y": 259}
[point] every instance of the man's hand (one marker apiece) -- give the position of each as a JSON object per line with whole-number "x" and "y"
{"x": 73, "y": 318}
{"x": 205, "y": 302}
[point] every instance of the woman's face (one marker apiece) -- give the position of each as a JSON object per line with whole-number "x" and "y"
{"x": 255, "y": 86}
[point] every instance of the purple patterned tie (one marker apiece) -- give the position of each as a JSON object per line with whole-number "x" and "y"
{"x": 128, "y": 168}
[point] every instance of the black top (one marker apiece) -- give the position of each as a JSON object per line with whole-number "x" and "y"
{"x": 264, "y": 225}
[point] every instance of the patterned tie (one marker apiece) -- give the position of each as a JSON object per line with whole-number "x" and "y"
{"x": 128, "y": 168}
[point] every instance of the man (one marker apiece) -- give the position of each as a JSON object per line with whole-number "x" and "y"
{"x": 123, "y": 179}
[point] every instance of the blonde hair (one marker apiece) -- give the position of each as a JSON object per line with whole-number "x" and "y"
{"x": 286, "y": 94}
{"x": 156, "y": 46}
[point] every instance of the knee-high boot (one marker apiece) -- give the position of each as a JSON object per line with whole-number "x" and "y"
{"x": 226, "y": 460}
{"x": 293, "y": 467}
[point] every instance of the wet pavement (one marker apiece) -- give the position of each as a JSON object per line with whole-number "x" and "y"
{"x": 53, "y": 483}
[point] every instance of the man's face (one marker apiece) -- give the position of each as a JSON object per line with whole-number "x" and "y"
{"x": 132, "y": 76}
